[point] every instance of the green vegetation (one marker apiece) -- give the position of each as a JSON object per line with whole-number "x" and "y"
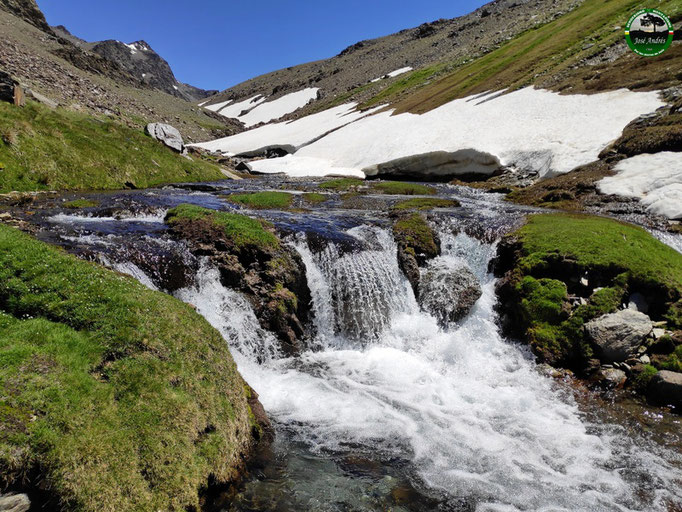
{"x": 532, "y": 57}
{"x": 426, "y": 203}
{"x": 45, "y": 149}
{"x": 263, "y": 200}
{"x": 315, "y": 198}
{"x": 673, "y": 361}
{"x": 554, "y": 246}
{"x": 643, "y": 379}
{"x": 401, "y": 188}
{"x": 81, "y": 203}
{"x": 242, "y": 230}
{"x": 113, "y": 396}
{"x": 411, "y": 81}
{"x": 342, "y": 184}
{"x": 415, "y": 233}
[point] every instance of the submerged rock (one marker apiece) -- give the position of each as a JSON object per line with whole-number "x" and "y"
{"x": 167, "y": 134}
{"x": 448, "y": 289}
{"x": 619, "y": 335}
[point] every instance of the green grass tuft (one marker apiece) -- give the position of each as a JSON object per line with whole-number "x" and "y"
{"x": 118, "y": 397}
{"x": 45, "y": 149}
{"x": 426, "y": 203}
{"x": 415, "y": 233}
{"x": 315, "y": 198}
{"x": 81, "y": 203}
{"x": 263, "y": 200}
{"x": 342, "y": 184}
{"x": 242, "y": 230}
{"x": 401, "y": 188}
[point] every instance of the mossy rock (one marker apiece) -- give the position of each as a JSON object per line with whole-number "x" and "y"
{"x": 544, "y": 261}
{"x": 113, "y": 397}
{"x": 426, "y": 203}
{"x": 263, "y": 200}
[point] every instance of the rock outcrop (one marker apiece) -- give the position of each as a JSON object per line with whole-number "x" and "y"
{"x": 619, "y": 335}
{"x": 438, "y": 166}
{"x": 166, "y": 134}
{"x": 448, "y": 289}
{"x": 417, "y": 243}
{"x": 27, "y": 10}
{"x": 666, "y": 388}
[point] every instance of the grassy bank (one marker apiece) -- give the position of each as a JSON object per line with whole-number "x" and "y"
{"x": 553, "y": 252}
{"x": 45, "y": 149}
{"x": 114, "y": 397}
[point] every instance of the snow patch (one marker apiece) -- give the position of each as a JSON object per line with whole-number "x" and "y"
{"x": 528, "y": 129}
{"x": 392, "y": 74}
{"x": 656, "y": 180}
{"x": 233, "y": 110}
{"x": 275, "y": 109}
{"x": 217, "y": 106}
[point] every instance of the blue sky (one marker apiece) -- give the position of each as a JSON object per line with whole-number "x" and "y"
{"x": 215, "y": 44}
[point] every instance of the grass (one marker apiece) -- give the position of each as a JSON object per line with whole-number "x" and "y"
{"x": 45, "y": 149}
{"x": 622, "y": 257}
{"x": 315, "y": 198}
{"x": 403, "y": 189}
{"x": 426, "y": 203}
{"x": 341, "y": 184}
{"x": 81, "y": 203}
{"x": 114, "y": 397}
{"x": 242, "y": 230}
{"x": 263, "y": 200}
{"x": 531, "y": 57}
{"x": 416, "y": 234}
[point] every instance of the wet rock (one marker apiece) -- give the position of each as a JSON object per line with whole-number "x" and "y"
{"x": 619, "y": 335}
{"x": 417, "y": 244}
{"x": 166, "y": 134}
{"x": 665, "y": 388}
{"x": 448, "y": 289}
{"x": 438, "y": 165}
{"x": 14, "y": 503}
{"x": 610, "y": 378}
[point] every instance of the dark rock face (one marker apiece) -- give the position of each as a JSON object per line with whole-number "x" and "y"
{"x": 7, "y": 84}
{"x": 138, "y": 60}
{"x": 619, "y": 335}
{"x": 448, "y": 290}
{"x": 666, "y": 388}
{"x": 28, "y": 11}
{"x": 273, "y": 279}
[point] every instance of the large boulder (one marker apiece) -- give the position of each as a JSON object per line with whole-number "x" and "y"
{"x": 619, "y": 335}
{"x": 666, "y": 388}
{"x": 167, "y": 134}
{"x": 14, "y": 503}
{"x": 448, "y": 289}
{"x": 438, "y": 166}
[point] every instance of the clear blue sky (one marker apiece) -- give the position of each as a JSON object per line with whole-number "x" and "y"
{"x": 215, "y": 44}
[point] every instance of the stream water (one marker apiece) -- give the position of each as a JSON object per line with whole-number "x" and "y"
{"x": 385, "y": 409}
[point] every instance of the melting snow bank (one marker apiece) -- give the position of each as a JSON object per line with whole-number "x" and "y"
{"x": 529, "y": 129}
{"x": 393, "y": 74}
{"x": 654, "y": 179}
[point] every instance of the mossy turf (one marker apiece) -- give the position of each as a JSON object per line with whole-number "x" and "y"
{"x": 113, "y": 397}
{"x": 242, "y": 230}
{"x": 45, "y": 149}
{"x": 415, "y": 233}
{"x": 263, "y": 200}
{"x": 426, "y": 203}
{"x": 315, "y": 198}
{"x": 401, "y": 188}
{"x": 342, "y": 184}
{"x": 618, "y": 259}
{"x": 81, "y": 203}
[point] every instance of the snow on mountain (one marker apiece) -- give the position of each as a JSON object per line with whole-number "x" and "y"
{"x": 393, "y": 74}
{"x": 530, "y": 129}
{"x": 654, "y": 179}
{"x": 293, "y": 133}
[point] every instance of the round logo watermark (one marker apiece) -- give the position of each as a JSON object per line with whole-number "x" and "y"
{"x": 649, "y": 32}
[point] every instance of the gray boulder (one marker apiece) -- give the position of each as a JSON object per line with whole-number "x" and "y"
{"x": 619, "y": 335}
{"x": 438, "y": 165}
{"x": 666, "y": 388}
{"x": 165, "y": 133}
{"x": 14, "y": 503}
{"x": 448, "y": 289}
{"x": 611, "y": 378}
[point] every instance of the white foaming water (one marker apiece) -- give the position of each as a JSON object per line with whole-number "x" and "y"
{"x": 465, "y": 407}
{"x": 62, "y": 218}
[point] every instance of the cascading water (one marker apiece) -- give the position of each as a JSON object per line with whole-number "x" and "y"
{"x": 461, "y": 411}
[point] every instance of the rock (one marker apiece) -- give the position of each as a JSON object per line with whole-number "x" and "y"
{"x": 611, "y": 378}
{"x": 645, "y": 359}
{"x": 167, "y": 134}
{"x": 666, "y": 388}
{"x": 30, "y": 93}
{"x": 7, "y": 84}
{"x": 619, "y": 335}
{"x": 14, "y": 503}
{"x": 637, "y": 302}
{"x": 438, "y": 165}
{"x": 448, "y": 289}
{"x": 658, "y": 333}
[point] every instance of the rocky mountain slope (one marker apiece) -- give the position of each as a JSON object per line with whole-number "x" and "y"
{"x": 365, "y": 68}
{"x": 83, "y": 80}
{"x": 140, "y": 61}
